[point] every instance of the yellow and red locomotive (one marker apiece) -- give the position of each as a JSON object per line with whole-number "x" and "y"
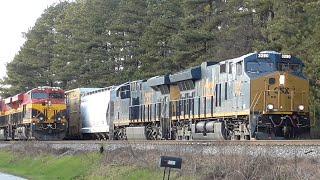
{"x": 38, "y": 114}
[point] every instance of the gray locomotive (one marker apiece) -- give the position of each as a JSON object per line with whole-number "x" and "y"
{"x": 256, "y": 96}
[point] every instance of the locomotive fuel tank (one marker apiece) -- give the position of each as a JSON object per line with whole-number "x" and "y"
{"x": 210, "y": 126}
{"x": 210, "y": 130}
{"x": 200, "y": 126}
{"x": 205, "y": 126}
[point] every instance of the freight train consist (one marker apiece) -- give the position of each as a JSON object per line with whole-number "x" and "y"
{"x": 38, "y": 114}
{"x": 256, "y": 96}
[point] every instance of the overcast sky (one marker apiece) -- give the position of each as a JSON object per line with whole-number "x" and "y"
{"x": 17, "y": 16}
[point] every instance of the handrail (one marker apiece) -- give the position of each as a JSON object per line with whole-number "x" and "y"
{"x": 255, "y": 102}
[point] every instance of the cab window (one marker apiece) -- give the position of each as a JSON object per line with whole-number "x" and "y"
{"x": 289, "y": 67}
{"x": 259, "y": 66}
{"x": 39, "y": 95}
{"x": 56, "y": 95}
{"x": 124, "y": 92}
{"x": 230, "y": 68}
{"x": 223, "y": 68}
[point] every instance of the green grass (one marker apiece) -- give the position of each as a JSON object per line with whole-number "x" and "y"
{"x": 48, "y": 166}
{"x": 132, "y": 173}
{"x": 84, "y": 166}
{"x": 123, "y": 173}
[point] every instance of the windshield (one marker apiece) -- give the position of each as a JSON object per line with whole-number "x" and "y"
{"x": 289, "y": 67}
{"x": 39, "y": 95}
{"x": 259, "y": 66}
{"x": 56, "y": 95}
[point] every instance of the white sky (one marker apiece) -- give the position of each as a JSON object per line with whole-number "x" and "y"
{"x": 17, "y": 16}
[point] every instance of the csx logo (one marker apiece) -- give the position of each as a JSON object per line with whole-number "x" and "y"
{"x": 283, "y": 90}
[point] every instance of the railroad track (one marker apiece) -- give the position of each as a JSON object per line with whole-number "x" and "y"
{"x": 280, "y": 148}
{"x": 203, "y": 143}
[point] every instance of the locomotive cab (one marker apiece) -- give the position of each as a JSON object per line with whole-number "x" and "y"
{"x": 279, "y": 96}
{"x": 47, "y": 106}
{"x": 45, "y": 110}
{"x": 38, "y": 114}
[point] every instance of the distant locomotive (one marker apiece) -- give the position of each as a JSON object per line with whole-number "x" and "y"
{"x": 38, "y": 114}
{"x": 256, "y": 96}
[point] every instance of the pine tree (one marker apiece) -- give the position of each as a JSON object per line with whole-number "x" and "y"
{"x": 159, "y": 36}
{"x": 84, "y": 45}
{"x": 125, "y": 34}
{"x": 32, "y": 66}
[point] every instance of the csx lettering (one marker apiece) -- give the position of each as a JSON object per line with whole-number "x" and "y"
{"x": 283, "y": 90}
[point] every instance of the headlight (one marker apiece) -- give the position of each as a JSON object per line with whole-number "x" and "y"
{"x": 41, "y": 118}
{"x": 282, "y": 79}
{"x": 269, "y": 106}
{"x": 58, "y": 119}
{"x": 301, "y": 107}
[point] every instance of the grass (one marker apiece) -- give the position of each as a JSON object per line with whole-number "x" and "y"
{"x": 81, "y": 166}
{"x": 34, "y": 162}
{"x": 48, "y": 166}
{"x": 123, "y": 173}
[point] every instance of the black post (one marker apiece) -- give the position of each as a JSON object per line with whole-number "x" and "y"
{"x": 170, "y": 162}
{"x": 164, "y": 173}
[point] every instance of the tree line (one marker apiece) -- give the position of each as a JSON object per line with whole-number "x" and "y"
{"x": 97, "y": 43}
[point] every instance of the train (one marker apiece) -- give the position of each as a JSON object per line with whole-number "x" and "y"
{"x": 260, "y": 95}
{"x": 38, "y": 114}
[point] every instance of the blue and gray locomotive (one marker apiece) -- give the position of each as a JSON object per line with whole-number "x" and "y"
{"x": 256, "y": 96}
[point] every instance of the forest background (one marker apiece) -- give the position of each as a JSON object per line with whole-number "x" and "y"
{"x": 98, "y": 43}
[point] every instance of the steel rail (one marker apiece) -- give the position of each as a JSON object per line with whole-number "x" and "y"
{"x": 176, "y": 142}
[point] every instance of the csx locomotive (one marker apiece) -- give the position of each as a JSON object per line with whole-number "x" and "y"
{"x": 256, "y": 96}
{"x": 38, "y": 114}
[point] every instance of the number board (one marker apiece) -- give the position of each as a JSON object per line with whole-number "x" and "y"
{"x": 263, "y": 55}
{"x": 171, "y": 162}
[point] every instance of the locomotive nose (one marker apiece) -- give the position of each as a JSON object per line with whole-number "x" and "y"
{"x": 285, "y": 92}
